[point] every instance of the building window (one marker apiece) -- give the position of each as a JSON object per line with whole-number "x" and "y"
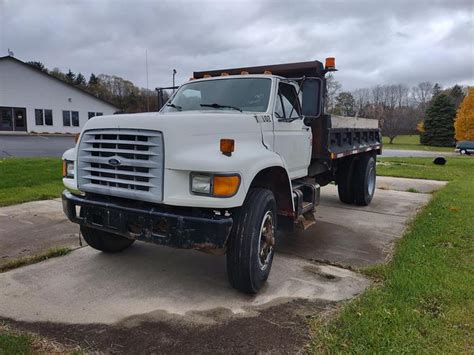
{"x": 93, "y": 114}
{"x": 43, "y": 117}
{"x": 66, "y": 118}
{"x": 39, "y": 117}
{"x": 75, "y": 118}
{"x": 48, "y": 117}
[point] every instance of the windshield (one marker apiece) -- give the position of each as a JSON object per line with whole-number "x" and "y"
{"x": 241, "y": 94}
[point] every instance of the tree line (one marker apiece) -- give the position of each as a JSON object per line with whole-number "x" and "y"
{"x": 114, "y": 89}
{"x": 426, "y": 108}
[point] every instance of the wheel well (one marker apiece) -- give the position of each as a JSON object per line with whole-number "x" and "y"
{"x": 276, "y": 179}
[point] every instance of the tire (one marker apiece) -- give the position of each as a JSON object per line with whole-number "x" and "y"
{"x": 251, "y": 242}
{"x": 105, "y": 241}
{"x": 345, "y": 182}
{"x": 364, "y": 179}
{"x": 463, "y": 152}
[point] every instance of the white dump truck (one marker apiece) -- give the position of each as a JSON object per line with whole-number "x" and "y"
{"x": 233, "y": 155}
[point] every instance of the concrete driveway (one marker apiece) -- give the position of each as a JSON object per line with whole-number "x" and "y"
{"x": 156, "y": 299}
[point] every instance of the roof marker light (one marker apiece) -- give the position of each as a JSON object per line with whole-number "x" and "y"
{"x": 224, "y": 74}
{"x": 243, "y": 72}
{"x": 206, "y": 76}
{"x": 267, "y": 72}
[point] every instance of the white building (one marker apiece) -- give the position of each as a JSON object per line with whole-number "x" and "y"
{"x": 34, "y": 101}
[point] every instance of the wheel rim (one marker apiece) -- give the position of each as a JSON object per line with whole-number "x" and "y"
{"x": 371, "y": 182}
{"x": 266, "y": 240}
{"x": 463, "y": 152}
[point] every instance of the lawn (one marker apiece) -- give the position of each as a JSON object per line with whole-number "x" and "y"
{"x": 423, "y": 300}
{"x": 29, "y": 179}
{"x": 411, "y": 142}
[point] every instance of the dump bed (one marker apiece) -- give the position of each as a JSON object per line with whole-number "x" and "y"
{"x": 336, "y": 136}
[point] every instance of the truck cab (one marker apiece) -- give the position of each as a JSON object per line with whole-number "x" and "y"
{"x": 232, "y": 156}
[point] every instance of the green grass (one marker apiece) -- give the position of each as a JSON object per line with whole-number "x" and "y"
{"x": 27, "y": 260}
{"x": 456, "y": 168}
{"x": 29, "y": 179}
{"x": 12, "y": 343}
{"x": 411, "y": 142}
{"x": 423, "y": 300}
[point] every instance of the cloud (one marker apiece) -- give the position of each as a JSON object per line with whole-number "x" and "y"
{"x": 374, "y": 42}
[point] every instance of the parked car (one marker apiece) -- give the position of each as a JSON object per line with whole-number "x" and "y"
{"x": 465, "y": 147}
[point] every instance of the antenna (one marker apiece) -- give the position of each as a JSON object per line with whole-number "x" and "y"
{"x": 147, "y": 88}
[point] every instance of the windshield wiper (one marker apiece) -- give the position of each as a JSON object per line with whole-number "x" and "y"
{"x": 179, "y": 108}
{"x": 222, "y": 106}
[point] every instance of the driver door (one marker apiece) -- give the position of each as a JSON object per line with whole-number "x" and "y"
{"x": 292, "y": 139}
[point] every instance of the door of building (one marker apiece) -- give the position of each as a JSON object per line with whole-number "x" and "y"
{"x": 12, "y": 119}
{"x": 19, "y": 119}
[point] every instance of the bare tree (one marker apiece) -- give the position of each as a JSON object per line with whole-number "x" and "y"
{"x": 333, "y": 87}
{"x": 422, "y": 94}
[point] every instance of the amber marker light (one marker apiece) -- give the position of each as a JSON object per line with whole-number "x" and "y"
{"x": 227, "y": 146}
{"x": 64, "y": 168}
{"x": 330, "y": 63}
{"x": 243, "y": 72}
{"x": 206, "y": 76}
{"x": 76, "y": 138}
{"x": 224, "y": 74}
{"x": 225, "y": 186}
{"x": 267, "y": 72}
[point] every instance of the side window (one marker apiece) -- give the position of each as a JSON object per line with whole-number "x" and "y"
{"x": 291, "y": 104}
{"x": 90, "y": 115}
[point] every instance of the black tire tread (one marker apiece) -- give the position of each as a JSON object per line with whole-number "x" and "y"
{"x": 240, "y": 247}
{"x": 360, "y": 189}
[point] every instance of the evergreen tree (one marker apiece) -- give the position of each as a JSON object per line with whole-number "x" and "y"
{"x": 80, "y": 80}
{"x": 70, "y": 76}
{"x": 93, "y": 80}
{"x": 436, "y": 90}
{"x": 457, "y": 95}
{"x": 464, "y": 124}
{"x": 38, "y": 65}
{"x": 439, "y": 122}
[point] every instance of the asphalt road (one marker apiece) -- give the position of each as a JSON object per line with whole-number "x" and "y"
{"x": 34, "y": 146}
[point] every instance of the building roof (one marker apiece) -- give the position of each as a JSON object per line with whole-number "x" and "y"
{"x": 55, "y": 78}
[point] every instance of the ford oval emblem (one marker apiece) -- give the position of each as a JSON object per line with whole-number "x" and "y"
{"x": 114, "y": 162}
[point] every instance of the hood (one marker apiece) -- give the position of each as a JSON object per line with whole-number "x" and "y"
{"x": 187, "y": 123}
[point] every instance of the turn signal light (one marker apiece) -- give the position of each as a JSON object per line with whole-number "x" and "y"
{"x": 225, "y": 186}
{"x": 76, "y": 138}
{"x": 227, "y": 146}
{"x": 64, "y": 168}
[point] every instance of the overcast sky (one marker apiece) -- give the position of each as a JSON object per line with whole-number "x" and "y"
{"x": 374, "y": 42}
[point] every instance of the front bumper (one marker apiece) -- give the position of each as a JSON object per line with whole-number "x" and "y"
{"x": 148, "y": 222}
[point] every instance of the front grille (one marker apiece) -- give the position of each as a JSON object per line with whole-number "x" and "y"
{"x": 122, "y": 162}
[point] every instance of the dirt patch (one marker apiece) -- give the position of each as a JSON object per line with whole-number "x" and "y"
{"x": 280, "y": 329}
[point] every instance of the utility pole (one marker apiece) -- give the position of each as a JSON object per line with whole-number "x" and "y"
{"x": 174, "y": 73}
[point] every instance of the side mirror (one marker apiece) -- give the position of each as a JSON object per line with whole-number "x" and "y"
{"x": 312, "y": 89}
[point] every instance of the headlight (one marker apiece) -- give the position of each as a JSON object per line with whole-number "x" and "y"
{"x": 201, "y": 184}
{"x": 218, "y": 185}
{"x": 68, "y": 169}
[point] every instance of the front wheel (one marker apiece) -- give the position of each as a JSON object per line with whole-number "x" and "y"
{"x": 463, "y": 152}
{"x": 251, "y": 242}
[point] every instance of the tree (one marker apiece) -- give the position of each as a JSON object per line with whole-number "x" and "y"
{"x": 436, "y": 90}
{"x": 38, "y": 65}
{"x": 422, "y": 94}
{"x": 457, "y": 95}
{"x": 401, "y": 120}
{"x": 464, "y": 124}
{"x": 80, "y": 80}
{"x": 93, "y": 80}
{"x": 439, "y": 122}
{"x": 332, "y": 88}
{"x": 56, "y": 72}
{"x": 70, "y": 76}
{"x": 345, "y": 104}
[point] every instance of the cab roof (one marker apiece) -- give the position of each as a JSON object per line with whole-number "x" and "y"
{"x": 288, "y": 70}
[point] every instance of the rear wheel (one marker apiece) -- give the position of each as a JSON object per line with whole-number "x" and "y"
{"x": 364, "y": 180}
{"x": 344, "y": 181}
{"x": 104, "y": 241}
{"x": 251, "y": 243}
{"x": 463, "y": 152}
